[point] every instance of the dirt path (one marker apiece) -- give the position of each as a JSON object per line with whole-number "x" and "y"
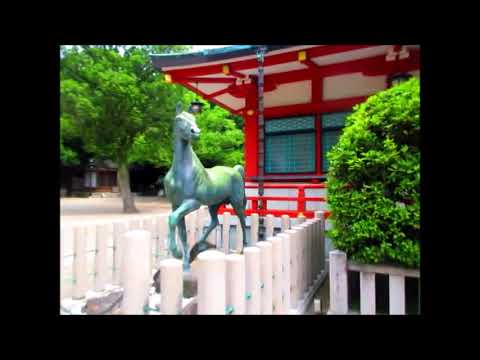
{"x": 81, "y": 210}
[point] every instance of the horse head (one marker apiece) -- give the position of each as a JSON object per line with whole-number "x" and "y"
{"x": 186, "y": 125}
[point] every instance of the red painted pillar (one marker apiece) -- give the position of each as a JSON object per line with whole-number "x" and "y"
{"x": 251, "y": 134}
{"x": 301, "y": 200}
{"x": 317, "y": 97}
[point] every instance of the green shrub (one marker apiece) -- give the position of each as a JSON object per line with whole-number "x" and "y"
{"x": 374, "y": 179}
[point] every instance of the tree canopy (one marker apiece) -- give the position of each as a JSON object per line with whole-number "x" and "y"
{"x": 116, "y": 106}
{"x": 113, "y": 96}
{"x": 119, "y": 105}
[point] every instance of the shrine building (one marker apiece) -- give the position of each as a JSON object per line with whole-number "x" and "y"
{"x": 308, "y": 92}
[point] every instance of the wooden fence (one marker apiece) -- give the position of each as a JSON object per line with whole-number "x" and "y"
{"x": 91, "y": 253}
{"x": 339, "y": 267}
{"x": 277, "y": 276}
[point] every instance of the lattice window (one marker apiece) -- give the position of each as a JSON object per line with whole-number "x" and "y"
{"x": 334, "y": 120}
{"x": 290, "y": 145}
{"x": 332, "y": 125}
{"x": 290, "y": 124}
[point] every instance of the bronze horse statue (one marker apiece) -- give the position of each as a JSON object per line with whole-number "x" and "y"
{"x": 188, "y": 185}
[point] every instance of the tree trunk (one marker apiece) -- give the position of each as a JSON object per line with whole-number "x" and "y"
{"x": 123, "y": 179}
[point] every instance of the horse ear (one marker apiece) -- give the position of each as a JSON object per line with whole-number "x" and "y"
{"x": 179, "y": 108}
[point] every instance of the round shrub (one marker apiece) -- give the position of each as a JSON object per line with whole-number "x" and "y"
{"x": 374, "y": 179}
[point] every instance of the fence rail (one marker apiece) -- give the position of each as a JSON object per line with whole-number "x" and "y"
{"x": 300, "y": 199}
{"x": 339, "y": 267}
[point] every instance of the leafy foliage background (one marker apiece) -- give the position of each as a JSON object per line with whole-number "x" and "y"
{"x": 115, "y": 105}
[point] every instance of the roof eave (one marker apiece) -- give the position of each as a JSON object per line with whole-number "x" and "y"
{"x": 161, "y": 61}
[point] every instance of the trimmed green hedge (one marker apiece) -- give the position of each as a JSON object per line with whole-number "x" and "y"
{"x": 374, "y": 179}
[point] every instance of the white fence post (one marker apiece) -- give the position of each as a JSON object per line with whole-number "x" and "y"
{"x": 171, "y": 286}
{"x": 301, "y": 219}
{"x": 285, "y": 223}
{"x": 397, "y": 294}
{"x": 266, "y": 275}
{"x": 239, "y": 236}
{"x": 338, "y": 283}
{"x": 253, "y": 229}
{"x": 303, "y": 258}
{"x": 308, "y": 252}
{"x": 315, "y": 233}
{"x": 252, "y": 280}
{"x": 321, "y": 216}
{"x": 286, "y": 290}
{"x": 316, "y": 249}
{"x": 299, "y": 261}
{"x": 321, "y": 240}
{"x": 367, "y": 293}
{"x": 147, "y": 225}
{"x": 101, "y": 269}
{"x": 218, "y": 235}
{"x": 277, "y": 279}
{"x": 293, "y": 267}
{"x": 161, "y": 225}
{"x": 119, "y": 229}
{"x": 136, "y": 270}
{"x": 235, "y": 283}
{"x": 79, "y": 263}
{"x": 211, "y": 283}
{"x": 134, "y": 224}
{"x": 200, "y": 221}
{"x": 269, "y": 225}
{"x": 226, "y": 232}
{"x": 190, "y": 225}
{"x": 212, "y": 237}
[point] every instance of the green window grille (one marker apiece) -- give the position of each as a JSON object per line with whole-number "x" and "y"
{"x": 332, "y": 125}
{"x": 290, "y": 124}
{"x": 334, "y": 120}
{"x": 290, "y": 145}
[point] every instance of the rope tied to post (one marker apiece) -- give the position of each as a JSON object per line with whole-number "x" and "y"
{"x": 147, "y": 308}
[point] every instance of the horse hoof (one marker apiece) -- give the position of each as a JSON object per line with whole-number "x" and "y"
{"x": 198, "y": 248}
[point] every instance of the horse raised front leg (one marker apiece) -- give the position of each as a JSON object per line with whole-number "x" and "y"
{"x": 182, "y": 230}
{"x": 202, "y": 244}
{"x": 173, "y": 220}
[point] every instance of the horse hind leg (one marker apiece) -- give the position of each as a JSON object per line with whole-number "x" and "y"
{"x": 240, "y": 211}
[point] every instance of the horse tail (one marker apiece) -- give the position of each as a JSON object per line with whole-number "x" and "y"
{"x": 239, "y": 168}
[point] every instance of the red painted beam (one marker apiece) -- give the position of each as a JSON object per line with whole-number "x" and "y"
{"x": 201, "y": 80}
{"x": 215, "y": 101}
{"x": 319, "y": 107}
{"x": 218, "y": 93}
{"x": 237, "y": 74}
{"x": 291, "y": 76}
{"x": 285, "y": 198}
{"x": 250, "y": 147}
{"x": 373, "y": 66}
{"x": 269, "y": 60}
{"x": 311, "y": 64}
{"x": 288, "y": 186}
